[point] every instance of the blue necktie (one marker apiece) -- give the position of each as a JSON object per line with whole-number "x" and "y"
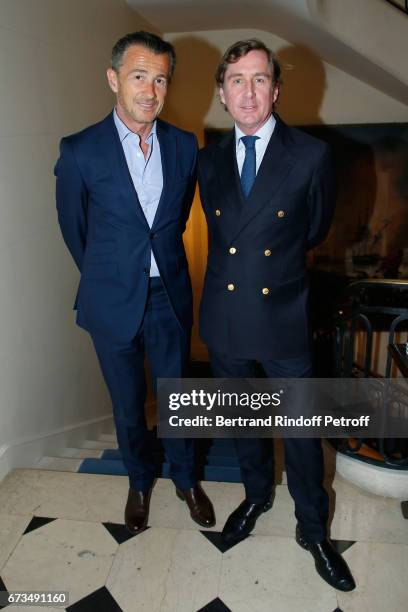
{"x": 248, "y": 172}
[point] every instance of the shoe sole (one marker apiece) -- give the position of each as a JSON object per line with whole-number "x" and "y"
{"x": 136, "y": 532}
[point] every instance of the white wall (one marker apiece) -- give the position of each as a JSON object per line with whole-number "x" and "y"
{"x": 313, "y": 91}
{"x": 53, "y": 55}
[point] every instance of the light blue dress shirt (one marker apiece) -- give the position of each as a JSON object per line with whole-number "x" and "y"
{"x": 146, "y": 173}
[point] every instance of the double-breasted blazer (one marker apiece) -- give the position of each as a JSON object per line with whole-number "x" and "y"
{"x": 255, "y": 298}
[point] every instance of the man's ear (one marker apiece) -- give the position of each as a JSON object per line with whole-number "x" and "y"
{"x": 276, "y": 92}
{"x": 112, "y": 79}
{"x": 221, "y": 92}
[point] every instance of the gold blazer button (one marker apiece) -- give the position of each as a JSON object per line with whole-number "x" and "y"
{"x": 265, "y": 290}
{"x": 218, "y": 212}
{"x": 267, "y": 252}
{"x": 231, "y": 287}
{"x": 233, "y": 250}
{"x": 281, "y": 213}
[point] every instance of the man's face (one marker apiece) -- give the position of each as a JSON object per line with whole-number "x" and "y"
{"x": 248, "y": 91}
{"x": 140, "y": 85}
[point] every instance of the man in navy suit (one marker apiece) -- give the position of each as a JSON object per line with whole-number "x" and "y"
{"x": 124, "y": 192}
{"x": 268, "y": 195}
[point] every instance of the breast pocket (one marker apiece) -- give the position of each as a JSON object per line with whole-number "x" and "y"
{"x": 290, "y": 197}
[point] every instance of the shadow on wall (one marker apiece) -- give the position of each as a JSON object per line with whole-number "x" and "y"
{"x": 187, "y": 104}
{"x": 304, "y": 85}
{"x": 303, "y": 90}
{"x": 193, "y": 87}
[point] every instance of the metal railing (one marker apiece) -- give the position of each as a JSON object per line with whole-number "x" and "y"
{"x": 374, "y": 304}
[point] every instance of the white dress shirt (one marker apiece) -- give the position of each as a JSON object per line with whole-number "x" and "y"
{"x": 264, "y": 135}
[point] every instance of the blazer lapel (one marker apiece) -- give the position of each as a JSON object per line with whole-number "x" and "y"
{"x": 168, "y": 154}
{"x": 114, "y": 157}
{"x": 227, "y": 171}
{"x": 275, "y": 166}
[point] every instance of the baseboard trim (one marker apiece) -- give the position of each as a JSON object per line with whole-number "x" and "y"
{"x": 24, "y": 452}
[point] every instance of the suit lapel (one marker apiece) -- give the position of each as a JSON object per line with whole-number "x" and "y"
{"x": 227, "y": 171}
{"x": 114, "y": 157}
{"x": 168, "y": 154}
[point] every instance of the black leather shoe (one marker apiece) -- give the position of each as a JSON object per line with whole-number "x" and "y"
{"x": 330, "y": 565}
{"x": 137, "y": 510}
{"x": 201, "y": 509}
{"x": 242, "y": 521}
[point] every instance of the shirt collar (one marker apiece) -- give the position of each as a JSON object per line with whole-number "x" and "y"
{"x": 124, "y": 131}
{"x": 264, "y": 133}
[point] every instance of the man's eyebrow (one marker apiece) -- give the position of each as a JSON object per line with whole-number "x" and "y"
{"x": 240, "y": 74}
{"x": 143, "y": 71}
{"x": 234, "y": 74}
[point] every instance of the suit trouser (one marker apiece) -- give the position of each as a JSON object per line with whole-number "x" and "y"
{"x": 303, "y": 456}
{"x": 166, "y": 346}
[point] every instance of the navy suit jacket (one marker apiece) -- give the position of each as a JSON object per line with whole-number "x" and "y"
{"x": 108, "y": 236}
{"x": 263, "y": 314}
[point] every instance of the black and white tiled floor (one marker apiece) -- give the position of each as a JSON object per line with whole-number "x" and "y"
{"x": 64, "y": 531}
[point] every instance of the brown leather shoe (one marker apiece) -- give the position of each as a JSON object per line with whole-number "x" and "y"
{"x": 137, "y": 510}
{"x": 201, "y": 509}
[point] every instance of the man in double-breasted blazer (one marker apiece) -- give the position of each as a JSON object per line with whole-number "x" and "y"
{"x": 268, "y": 194}
{"x": 124, "y": 192}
